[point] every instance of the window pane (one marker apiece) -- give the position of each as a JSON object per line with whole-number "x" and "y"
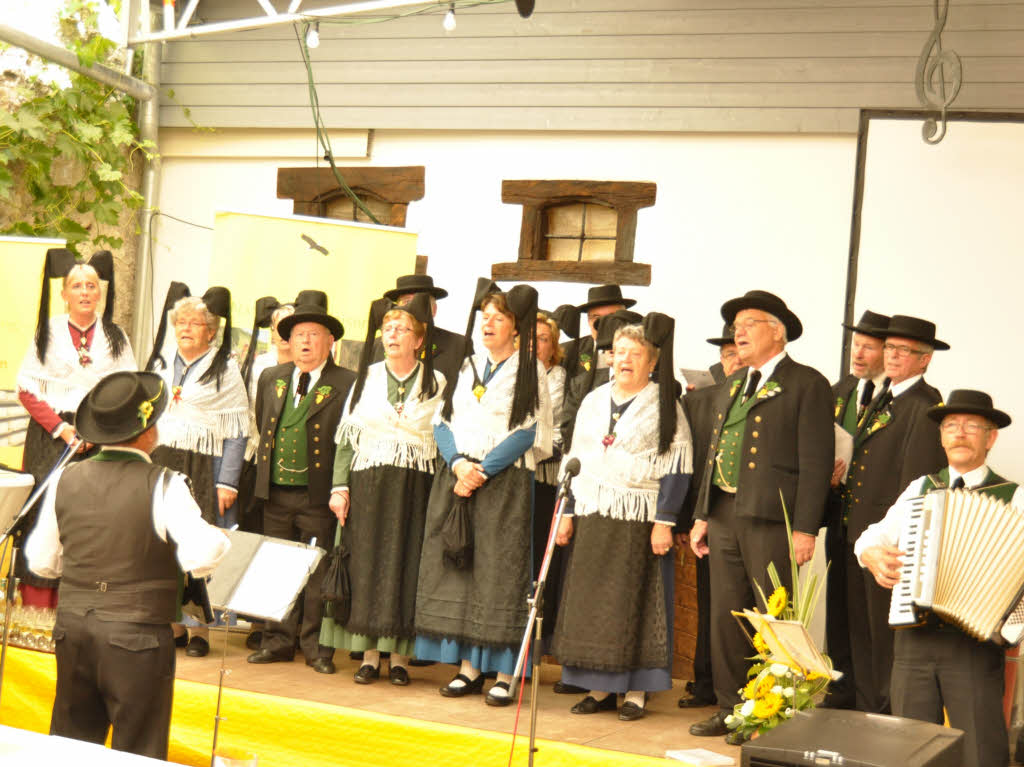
{"x": 565, "y": 220}
{"x": 601, "y": 221}
{"x": 563, "y": 250}
{"x": 599, "y": 250}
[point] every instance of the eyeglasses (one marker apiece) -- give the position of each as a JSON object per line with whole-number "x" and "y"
{"x": 900, "y": 351}
{"x": 747, "y": 324}
{"x": 397, "y": 330}
{"x": 970, "y": 428}
{"x": 307, "y": 335}
{"x": 189, "y": 324}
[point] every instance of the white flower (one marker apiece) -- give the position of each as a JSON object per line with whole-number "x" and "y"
{"x": 788, "y": 692}
{"x": 730, "y": 719}
{"x": 777, "y": 689}
{"x": 789, "y": 712}
{"x": 748, "y": 708}
{"x": 779, "y": 669}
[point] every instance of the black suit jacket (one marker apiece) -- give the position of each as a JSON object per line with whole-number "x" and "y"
{"x": 841, "y": 393}
{"x": 904, "y": 445}
{"x": 321, "y": 424}
{"x": 698, "y": 405}
{"x": 448, "y": 357}
{"x": 788, "y": 445}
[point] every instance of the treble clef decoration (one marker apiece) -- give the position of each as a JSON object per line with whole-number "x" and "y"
{"x": 933, "y": 68}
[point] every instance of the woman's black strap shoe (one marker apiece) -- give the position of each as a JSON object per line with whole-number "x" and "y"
{"x": 591, "y": 705}
{"x": 468, "y": 686}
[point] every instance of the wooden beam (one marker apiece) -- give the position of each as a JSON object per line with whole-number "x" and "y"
{"x": 591, "y": 272}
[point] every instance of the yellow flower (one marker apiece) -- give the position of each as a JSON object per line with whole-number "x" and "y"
{"x": 750, "y": 691}
{"x": 777, "y": 601}
{"x": 759, "y": 644}
{"x": 765, "y": 685}
{"x": 768, "y": 706}
{"x": 145, "y": 411}
{"x": 479, "y": 390}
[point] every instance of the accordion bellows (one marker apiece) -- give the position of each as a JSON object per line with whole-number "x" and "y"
{"x": 965, "y": 563}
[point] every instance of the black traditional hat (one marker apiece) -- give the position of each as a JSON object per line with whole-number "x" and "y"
{"x": 871, "y": 324}
{"x": 726, "y": 337}
{"x": 766, "y": 302}
{"x": 103, "y": 262}
{"x": 606, "y": 327}
{"x": 310, "y": 306}
{"x": 567, "y": 317}
{"x": 972, "y": 402}
{"x": 419, "y": 308}
{"x": 605, "y": 295}
{"x": 903, "y": 326}
{"x": 264, "y": 312}
{"x": 522, "y": 302}
{"x": 175, "y": 292}
{"x": 414, "y": 283}
{"x": 120, "y": 407}
{"x": 659, "y": 330}
{"x": 218, "y": 302}
{"x": 525, "y": 7}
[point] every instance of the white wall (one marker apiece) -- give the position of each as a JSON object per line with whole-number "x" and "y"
{"x": 733, "y": 213}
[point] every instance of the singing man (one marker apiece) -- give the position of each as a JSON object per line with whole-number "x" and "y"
{"x": 936, "y": 665}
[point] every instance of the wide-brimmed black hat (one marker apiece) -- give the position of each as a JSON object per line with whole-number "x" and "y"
{"x": 415, "y": 283}
{"x": 725, "y": 338}
{"x": 766, "y": 302}
{"x": 605, "y": 295}
{"x": 310, "y": 306}
{"x": 972, "y": 402}
{"x": 871, "y": 324}
{"x": 914, "y": 328}
{"x": 120, "y": 407}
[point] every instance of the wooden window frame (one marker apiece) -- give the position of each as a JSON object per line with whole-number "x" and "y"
{"x": 310, "y": 189}
{"x": 626, "y": 197}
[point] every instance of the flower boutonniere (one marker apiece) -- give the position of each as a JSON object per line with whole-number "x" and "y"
{"x": 176, "y": 394}
{"x": 478, "y": 391}
{"x": 880, "y": 421}
{"x": 735, "y": 388}
{"x": 585, "y": 361}
{"x": 839, "y": 406}
{"x": 322, "y": 393}
{"x": 279, "y": 386}
{"x": 609, "y": 439}
{"x": 770, "y": 389}
{"x": 433, "y": 352}
{"x": 83, "y": 354}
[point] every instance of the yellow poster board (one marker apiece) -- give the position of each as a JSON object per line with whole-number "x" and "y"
{"x": 22, "y": 263}
{"x": 256, "y": 255}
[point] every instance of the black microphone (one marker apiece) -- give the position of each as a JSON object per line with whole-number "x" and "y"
{"x": 572, "y": 468}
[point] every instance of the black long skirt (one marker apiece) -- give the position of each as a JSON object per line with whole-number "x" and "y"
{"x": 199, "y": 470}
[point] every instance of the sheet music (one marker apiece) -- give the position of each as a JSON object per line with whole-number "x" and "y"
{"x": 844, "y": 448}
{"x": 267, "y": 590}
{"x": 15, "y": 489}
{"x": 699, "y": 378}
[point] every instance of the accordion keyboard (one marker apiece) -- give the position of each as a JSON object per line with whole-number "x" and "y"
{"x": 914, "y": 540}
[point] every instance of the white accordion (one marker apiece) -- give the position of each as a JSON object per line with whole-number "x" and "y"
{"x": 964, "y": 562}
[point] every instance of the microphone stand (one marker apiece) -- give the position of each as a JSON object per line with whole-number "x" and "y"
{"x": 13, "y": 534}
{"x": 536, "y": 603}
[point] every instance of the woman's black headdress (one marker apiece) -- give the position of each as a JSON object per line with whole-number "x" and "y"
{"x": 218, "y": 302}
{"x": 522, "y": 302}
{"x": 264, "y": 312}
{"x": 484, "y": 288}
{"x": 567, "y": 317}
{"x": 103, "y": 262}
{"x": 175, "y": 292}
{"x": 659, "y": 331}
{"x": 58, "y": 263}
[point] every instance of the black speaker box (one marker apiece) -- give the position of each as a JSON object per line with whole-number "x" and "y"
{"x": 823, "y": 737}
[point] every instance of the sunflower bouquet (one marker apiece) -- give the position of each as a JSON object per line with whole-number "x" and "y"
{"x": 778, "y": 684}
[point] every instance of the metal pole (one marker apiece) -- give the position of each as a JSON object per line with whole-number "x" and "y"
{"x": 142, "y": 320}
{"x": 137, "y": 89}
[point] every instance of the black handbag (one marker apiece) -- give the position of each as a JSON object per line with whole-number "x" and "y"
{"x": 336, "y": 588}
{"x": 457, "y": 535}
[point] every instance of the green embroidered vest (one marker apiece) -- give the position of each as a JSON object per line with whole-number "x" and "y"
{"x": 994, "y": 485}
{"x": 730, "y": 444}
{"x": 849, "y": 422}
{"x": 290, "y": 457}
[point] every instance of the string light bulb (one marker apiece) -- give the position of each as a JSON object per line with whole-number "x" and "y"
{"x": 313, "y": 35}
{"x": 449, "y": 19}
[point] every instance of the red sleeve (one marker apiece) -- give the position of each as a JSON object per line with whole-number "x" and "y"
{"x": 41, "y": 413}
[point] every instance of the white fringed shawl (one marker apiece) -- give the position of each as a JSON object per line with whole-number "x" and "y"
{"x": 481, "y": 425}
{"x": 621, "y": 481}
{"x": 380, "y": 435}
{"x": 203, "y": 417}
{"x": 61, "y": 381}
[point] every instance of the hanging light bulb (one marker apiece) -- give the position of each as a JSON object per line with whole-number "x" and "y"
{"x": 449, "y": 19}
{"x": 313, "y": 35}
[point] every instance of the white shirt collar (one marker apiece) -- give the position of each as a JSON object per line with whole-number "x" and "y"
{"x": 902, "y": 386}
{"x": 314, "y": 376}
{"x": 861, "y": 383}
{"x": 136, "y": 451}
{"x": 766, "y": 369}
{"x": 973, "y": 478}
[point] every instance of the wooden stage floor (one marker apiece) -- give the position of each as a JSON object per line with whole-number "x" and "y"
{"x": 666, "y": 726}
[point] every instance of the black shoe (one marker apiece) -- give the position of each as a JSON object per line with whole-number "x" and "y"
{"x": 469, "y": 687}
{"x": 266, "y": 656}
{"x": 418, "y": 662}
{"x": 355, "y": 655}
{"x": 366, "y": 674}
{"x": 591, "y": 705}
{"x": 736, "y": 738}
{"x": 630, "y": 712}
{"x": 398, "y": 676}
{"x": 181, "y": 640}
{"x": 561, "y": 688}
{"x": 712, "y": 726}
{"x": 197, "y": 648}
{"x": 693, "y": 701}
{"x": 254, "y": 640}
{"x": 321, "y": 665}
{"x": 498, "y": 700}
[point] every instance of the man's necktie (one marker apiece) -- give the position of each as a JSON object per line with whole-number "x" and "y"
{"x": 755, "y": 379}
{"x": 958, "y": 483}
{"x": 303, "y": 386}
{"x": 865, "y": 398}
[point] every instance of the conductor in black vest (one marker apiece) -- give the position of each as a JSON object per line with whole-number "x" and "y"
{"x": 116, "y": 529}
{"x": 937, "y": 666}
{"x": 772, "y": 436}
